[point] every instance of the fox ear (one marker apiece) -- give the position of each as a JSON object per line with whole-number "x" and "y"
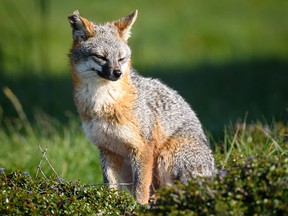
{"x": 124, "y": 25}
{"x": 82, "y": 28}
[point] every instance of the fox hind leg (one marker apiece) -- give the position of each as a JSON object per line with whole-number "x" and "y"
{"x": 162, "y": 171}
{"x": 183, "y": 163}
{"x": 192, "y": 161}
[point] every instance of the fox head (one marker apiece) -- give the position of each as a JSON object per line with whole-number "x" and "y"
{"x": 100, "y": 51}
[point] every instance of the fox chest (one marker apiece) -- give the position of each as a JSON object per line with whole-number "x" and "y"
{"x": 107, "y": 117}
{"x": 109, "y": 135}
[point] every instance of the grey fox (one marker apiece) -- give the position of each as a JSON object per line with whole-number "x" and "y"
{"x": 145, "y": 132}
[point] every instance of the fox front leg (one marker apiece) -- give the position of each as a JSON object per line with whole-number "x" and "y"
{"x": 142, "y": 177}
{"x": 111, "y": 164}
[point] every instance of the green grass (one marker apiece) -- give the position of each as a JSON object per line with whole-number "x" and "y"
{"x": 70, "y": 153}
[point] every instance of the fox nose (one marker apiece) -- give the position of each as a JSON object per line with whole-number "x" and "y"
{"x": 117, "y": 73}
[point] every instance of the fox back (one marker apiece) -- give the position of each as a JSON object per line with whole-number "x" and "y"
{"x": 146, "y": 133}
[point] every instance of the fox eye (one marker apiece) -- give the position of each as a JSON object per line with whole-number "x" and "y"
{"x": 121, "y": 59}
{"x": 100, "y": 57}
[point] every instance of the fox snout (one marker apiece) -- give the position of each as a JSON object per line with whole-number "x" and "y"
{"x": 117, "y": 73}
{"x": 110, "y": 73}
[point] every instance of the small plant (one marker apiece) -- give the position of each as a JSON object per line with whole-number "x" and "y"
{"x": 254, "y": 187}
{"x": 21, "y": 194}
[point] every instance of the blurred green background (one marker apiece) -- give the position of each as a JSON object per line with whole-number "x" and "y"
{"x": 227, "y": 58}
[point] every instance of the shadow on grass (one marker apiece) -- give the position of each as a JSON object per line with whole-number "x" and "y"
{"x": 219, "y": 94}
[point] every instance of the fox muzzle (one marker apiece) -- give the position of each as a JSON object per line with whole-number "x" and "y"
{"x": 112, "y": 75}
